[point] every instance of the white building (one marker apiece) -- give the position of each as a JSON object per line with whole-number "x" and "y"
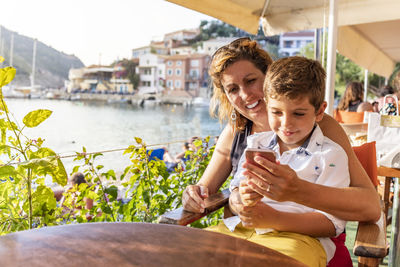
{"x": 210, "y": 46}
{"x": 152, "y": 74}
{"x": 181, "y": 35}
{"x": 290, "y": 43}
{"x": 182, "y": 50}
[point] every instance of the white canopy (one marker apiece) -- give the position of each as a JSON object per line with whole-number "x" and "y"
{"x": 368, "y": 31}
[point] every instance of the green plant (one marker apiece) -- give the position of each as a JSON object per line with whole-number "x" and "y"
{"x": 25, "y": 200}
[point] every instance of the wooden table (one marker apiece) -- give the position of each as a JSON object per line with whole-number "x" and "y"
{"x": 133, "y": 244}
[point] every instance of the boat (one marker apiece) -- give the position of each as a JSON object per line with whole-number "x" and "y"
{"x": 201, "y": 102}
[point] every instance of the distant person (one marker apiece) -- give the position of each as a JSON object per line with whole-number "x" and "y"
{"x": 74, "y": 181}
{"x": 163, "y": 154}
{"x": 365, "y": 106}
{"x": 192, "y": 146}
{"x": 385, "y": 90}
{"x": 182, "y": 155}
{"x": 353, "y": 96}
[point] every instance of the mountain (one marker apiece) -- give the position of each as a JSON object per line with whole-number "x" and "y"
{"x": 52, "y": 66}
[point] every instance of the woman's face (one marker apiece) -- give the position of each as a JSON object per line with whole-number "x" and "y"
{"x": 243, "y": 85}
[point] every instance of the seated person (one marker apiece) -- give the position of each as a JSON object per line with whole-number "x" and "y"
{"x": 182, "y": 156}
{"x": 294, "y": 91}
{"x": 365, "y": 106}
{"x": 163, "y": 154}
{"x": 385, "y": 90}
{"x": 352, "y": 97}
{"x": 75, "y": 180}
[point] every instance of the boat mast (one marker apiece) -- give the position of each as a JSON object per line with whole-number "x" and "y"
{"x": 12, "y": 49}
{"x": 33, "y": 65}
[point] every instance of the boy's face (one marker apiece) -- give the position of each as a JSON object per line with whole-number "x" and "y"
{"x": 292, "y": 120}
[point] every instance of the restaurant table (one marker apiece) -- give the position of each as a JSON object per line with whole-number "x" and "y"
{"x": 133, "y": 244}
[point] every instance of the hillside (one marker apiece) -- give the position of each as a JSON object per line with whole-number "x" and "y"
{"x": 52, "y": 66}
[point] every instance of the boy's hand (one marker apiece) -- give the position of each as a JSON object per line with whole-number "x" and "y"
{"x": 273, "y": 180}
{"x": 248, "y": 196}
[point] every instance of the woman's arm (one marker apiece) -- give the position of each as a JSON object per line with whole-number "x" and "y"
{"x": 263, "y": 216}
{"x": 217, "y": 171}
{"x": 367, "y": 206}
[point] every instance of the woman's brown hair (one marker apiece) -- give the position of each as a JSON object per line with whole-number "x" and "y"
{"x": 354, "y": 91}
{"x": 225, "y": 56}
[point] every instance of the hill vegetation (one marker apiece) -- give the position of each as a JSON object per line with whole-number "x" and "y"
{"x": 52, "y": 66}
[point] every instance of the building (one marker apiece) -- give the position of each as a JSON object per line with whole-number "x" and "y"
{"x": 98, "y": 79}
{"x": 187, "y": 72}
{"x": 182, "y": 50}
{"x": 152, "y": 73}
{"x": 121, "y": 85}
{"x": 210, "y": 46}
{"x": 290, "y": 43}
{"x": 154, "y": 48}
{"x": 182, "y": 35}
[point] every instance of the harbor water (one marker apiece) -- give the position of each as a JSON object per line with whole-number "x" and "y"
{"x": 101, "y": 126}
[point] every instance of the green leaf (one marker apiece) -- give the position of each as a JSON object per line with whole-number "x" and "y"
{"x": 36, "y": 117}
{"x": 7, "y": 74}
{"x": 112, "y": 191}
{"x": 43, "y": 201}
{"x": 45, "y": 162}
{"x": 7, "y": 171}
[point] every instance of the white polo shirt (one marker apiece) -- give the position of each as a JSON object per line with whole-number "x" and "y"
{"x": 319, "y": 160}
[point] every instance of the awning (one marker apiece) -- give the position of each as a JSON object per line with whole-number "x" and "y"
{"x": 367, "y": 31}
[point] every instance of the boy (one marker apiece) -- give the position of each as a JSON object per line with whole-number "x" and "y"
{"x": 294, "y": 90}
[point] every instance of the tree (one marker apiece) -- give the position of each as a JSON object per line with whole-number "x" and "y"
{"x": 129, "y": 72}
{"x": 348, "y": 71}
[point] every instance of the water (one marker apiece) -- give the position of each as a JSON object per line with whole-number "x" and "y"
{"x": 104, "y": 126}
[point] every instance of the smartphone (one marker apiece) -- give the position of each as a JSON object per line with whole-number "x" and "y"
{"x": 266, "y": 153}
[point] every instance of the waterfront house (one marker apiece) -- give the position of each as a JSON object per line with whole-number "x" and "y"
{"x": 187, "y": 73}
{"x": 210, "y": 46}
{"x": 290, "y": 43}
{"x": 120, "y": 83}
{"x": 181, "y": 35}
{"x": 152, "y": 73}
{"x": 92, "y": 79}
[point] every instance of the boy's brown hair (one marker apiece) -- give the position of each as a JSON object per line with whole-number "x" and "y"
{"x": 296, "y": 77}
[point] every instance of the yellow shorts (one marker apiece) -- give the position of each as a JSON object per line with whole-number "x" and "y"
{"x": 301, "y": 247}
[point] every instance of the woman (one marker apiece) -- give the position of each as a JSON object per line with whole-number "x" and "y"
{"x": 352, "y": 98}
{"x": 237, "y": 71}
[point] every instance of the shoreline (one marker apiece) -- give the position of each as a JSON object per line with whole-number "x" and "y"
{"x": 135, "y": 99}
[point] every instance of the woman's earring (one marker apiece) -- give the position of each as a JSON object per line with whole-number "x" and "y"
{"x": 233, "y": 118}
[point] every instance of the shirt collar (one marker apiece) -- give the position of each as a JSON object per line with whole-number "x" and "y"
{"x": 312, "y": 143}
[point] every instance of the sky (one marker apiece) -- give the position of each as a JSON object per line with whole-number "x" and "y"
{"x": 97, "y": 31}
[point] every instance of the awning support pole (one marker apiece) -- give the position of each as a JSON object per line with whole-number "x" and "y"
{"x": 365, "y": 84}
{"x": 331, "y": 60}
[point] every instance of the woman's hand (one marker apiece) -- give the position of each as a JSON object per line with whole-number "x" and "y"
{"x": 248, "y": 196}
{"x": 276, "y": 181}
{"x": 193, "y": 198}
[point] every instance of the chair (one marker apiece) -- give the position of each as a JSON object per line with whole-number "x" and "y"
{"x": 342, "y": 116}
{"x": 370, "y": 245}
{"x": 155, "y": 154}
